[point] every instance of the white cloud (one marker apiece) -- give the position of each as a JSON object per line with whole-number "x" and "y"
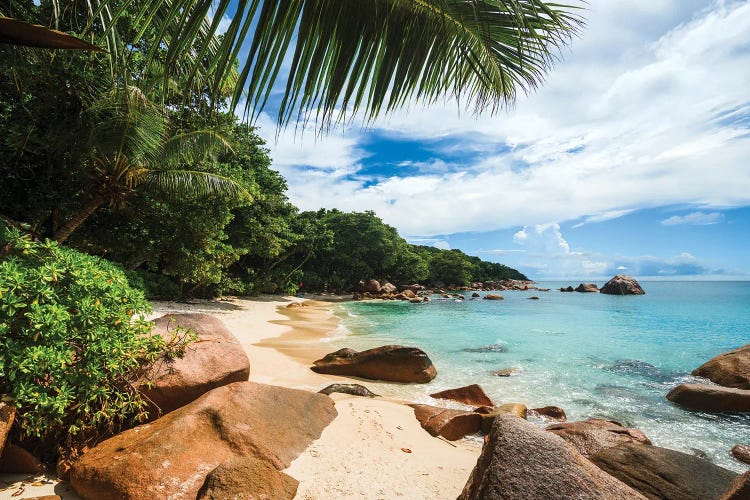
{"x": 694, "y": 219}
{"x": 646, "y": 111}
{"x": 549, "y": 254}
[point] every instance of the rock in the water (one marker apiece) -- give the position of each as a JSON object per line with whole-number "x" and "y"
{"x": 587, "y": 288}
{"x": 170, "y": 457}
{"x": 504, "y": 372}
{"x": 741, "y": 452}
{"x": 353, "y": 389}
{"x": 493, "y": 296}
{"x": 16, "y": 460}
{"x": 247, "y": 478}
{"x": 372, "y": 286}
{"x": 596, "y": 434}
{"x": 470, "y": 395}
{"x": 520, "y": 460}
{"x": 731, "y": 369}
{"x": 711, "y": 398}
{"x": 622, "y": 285}
{"x": 391, "y": 363}
{"x": 551, "y": 413}
{"x": 533, "y": 297}
{"x": 214, "y": 360}
{"x": 568, "y": 289}
{"x": 517, "y": 409}
{"x": 664, "y": 474}
{"x": 739, "y": 489}
{"x": 450, "y": 424}
{"x": 7, "y": 414}
{"x": 474, "y": 295}
{"x": 489, "y": 414}
{"x": 416, "y": 300}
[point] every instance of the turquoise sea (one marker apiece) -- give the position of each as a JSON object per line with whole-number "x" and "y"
{"x": 594, "y": 355}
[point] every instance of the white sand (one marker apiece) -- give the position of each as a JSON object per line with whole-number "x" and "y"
{"x": 360, "y": 453}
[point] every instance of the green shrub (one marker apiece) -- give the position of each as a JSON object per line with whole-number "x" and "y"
{"x": 73, "y": 342}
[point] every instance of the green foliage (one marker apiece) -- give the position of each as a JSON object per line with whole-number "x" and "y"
{"x": 70, "y": 352}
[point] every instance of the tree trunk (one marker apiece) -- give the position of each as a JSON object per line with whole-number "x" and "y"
{"x": 77, "y": 219}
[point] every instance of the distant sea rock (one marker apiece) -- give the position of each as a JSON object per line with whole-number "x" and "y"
{"x": 391, "y": 363}
{"x": 587, "y": 288}
{"x": 622, "y": 285}
{"x": 731, "y": 369}
{"x": 493, "y": 296}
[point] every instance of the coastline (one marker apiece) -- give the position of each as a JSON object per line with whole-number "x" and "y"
{"x": 360, "y": 453}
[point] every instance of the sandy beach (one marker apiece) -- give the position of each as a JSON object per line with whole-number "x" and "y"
{"x": 361, "y": 453}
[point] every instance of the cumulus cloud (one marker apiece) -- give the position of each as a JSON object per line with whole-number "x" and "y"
{"x": 633, "y": 118}
{"x": 548, "y": 254}
{"x": 694, "y": 219}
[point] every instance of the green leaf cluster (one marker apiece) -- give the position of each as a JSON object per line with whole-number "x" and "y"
{"x": 73, "y": 342}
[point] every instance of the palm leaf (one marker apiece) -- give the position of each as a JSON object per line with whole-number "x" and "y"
{"x": 372, "y": 56}
{"x": 15, "y": 32}
{"x": 189, "y": 183}
{"x": 194, "y": 146}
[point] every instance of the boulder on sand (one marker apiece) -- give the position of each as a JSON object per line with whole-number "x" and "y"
{"x": 170, "y": 457}
{"x": 7, "y": 414}
{"x": 246, "y": 478}
{"x": 388, "y": 288}
{"x": 214, "y": 360}
{"x": 664, "y": 474}
{"x": 730, "y": 369}
{"x": 353, "y": 389}
{"x": 16, "y": 460}
{"x": 711, "y": 398}
{"x": 470, "y": 395}
{"x": 622, "y": 285}
{"x": 595, "y": 434}
{"x": 520, "y": 460}
{"x": 372, "y": 286}
{"x": 391, "y": 363}
{"x": 450, "y": 424}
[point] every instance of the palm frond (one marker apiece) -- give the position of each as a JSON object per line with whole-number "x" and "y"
{"x": 127, "y": 123}
{"x": 15, "y": 32}
{"x": 190, "y": 183}
{"x": 372, "y": 56}
{"x": 194, "y": 146}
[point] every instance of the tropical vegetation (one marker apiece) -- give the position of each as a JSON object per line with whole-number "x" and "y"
{"x": 137, "y": 152}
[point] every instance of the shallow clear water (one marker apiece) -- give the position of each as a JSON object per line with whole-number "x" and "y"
{"x": 594, "y": 355}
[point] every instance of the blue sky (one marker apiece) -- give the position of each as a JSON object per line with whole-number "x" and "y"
{"x": 634, "y": 156}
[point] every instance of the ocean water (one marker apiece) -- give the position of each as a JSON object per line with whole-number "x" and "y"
{"x": 595, "y": 355}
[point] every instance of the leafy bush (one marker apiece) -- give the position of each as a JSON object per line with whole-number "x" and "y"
{"x": 70, "y": 351}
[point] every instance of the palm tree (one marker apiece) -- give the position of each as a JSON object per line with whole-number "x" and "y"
{"x": 130, "y": 148}
{"x": 351, "y": 57}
